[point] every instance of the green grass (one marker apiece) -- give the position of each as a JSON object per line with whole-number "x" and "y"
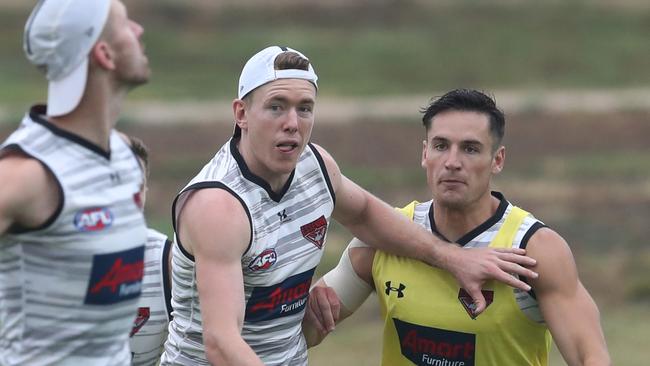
{"x": 376, "y": 49}
{"x": 600, "y": 165}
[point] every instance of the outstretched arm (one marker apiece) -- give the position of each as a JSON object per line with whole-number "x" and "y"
{"x": 380, "y": 226}
{"x": 569, "y": 311}
{"x": 214, "y": 228}
{"x": 339, "y": 293}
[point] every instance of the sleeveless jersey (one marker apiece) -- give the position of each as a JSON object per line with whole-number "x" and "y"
{"x": 288, "y": 231}
{"x": 428, "y": 318}
{"x": 69, "y": 289}
{"x": 154, "y": 309}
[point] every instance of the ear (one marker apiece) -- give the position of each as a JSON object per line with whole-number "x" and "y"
{"x": 239, "y": 111}
{"x": 424, "y": 154}
{"x": 498, "y": 160}
{"x": 102, "y": 54}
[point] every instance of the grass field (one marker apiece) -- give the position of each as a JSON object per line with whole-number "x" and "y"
{"x": 586, "y": 174}
{"x": 374, "y": 48}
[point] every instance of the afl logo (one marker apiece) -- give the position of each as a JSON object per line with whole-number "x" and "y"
{"x": 263, "y": 261}
{"x": 93, "y": 219}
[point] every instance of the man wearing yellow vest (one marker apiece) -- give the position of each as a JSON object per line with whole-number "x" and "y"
{"x": 428, "y": 318}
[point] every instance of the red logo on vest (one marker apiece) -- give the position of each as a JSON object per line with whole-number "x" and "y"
{"x": 116, "y": 277}
{"x": 468, "y": 303}
{"x": 315, "y": 231}
{"x": 119, "y": 274}
{"x": 263, "y": 261}
{"x": 93, "y": 219}
{"x": 137, "y": 199}
{"x": 140, "y": 320}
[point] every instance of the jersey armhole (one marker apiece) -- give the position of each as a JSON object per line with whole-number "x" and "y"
{"x": 323, "y": 169}
{"x": 166, "y": 279}
{"x": 19, "y": 229}
{"x": 205, "y": 185}
{"x": 524, "y": 243}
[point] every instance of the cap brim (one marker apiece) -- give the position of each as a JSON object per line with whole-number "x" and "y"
{"x": 64, "y": 95}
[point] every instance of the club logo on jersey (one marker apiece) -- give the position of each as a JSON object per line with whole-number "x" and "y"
{"x": 285, "y": 298}
{"x": 399, "y": 290}
{"x": 140, "y": 320}
{"x": 468, "y": 303}
{"x": 137, "y": 199}
{"x": 93, "y": 219}
{"x": 116, "y": 277}
{"x": 315, "y": 231}
{"x": 433, "y": 346}
{"x": 263, "y": 261}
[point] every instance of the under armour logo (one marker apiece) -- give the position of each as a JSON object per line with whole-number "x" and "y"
{"x": 115, "y": 177}
{"x": 89, "y": 32}
{"x": 283, "y": 216}
{"x": 400, "y": 289}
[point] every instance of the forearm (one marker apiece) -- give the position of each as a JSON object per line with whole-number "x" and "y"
{"x": 597, "y": 360}
{"x": 384, "y": 228}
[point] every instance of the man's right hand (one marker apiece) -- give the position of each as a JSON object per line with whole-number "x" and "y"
{"x": 473, "y": 267}
{"x": 321, "y": 315}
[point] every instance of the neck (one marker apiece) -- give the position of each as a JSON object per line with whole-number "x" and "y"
{"x": 454, "y": 222}
{"x": 276, "y": 181}
{"x": 95, "y": 116}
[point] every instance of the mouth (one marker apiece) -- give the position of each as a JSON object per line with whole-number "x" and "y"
{"x": 452, "y": 181}
{"x": 287, "y": 146}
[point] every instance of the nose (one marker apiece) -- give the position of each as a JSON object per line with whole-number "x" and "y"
{"x": 452, "y": 160}
{"x": 291, "y": 122}
{"x": 137, "y": 29}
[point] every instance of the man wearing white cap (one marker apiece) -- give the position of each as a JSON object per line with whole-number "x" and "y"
{"x": 251, "y": 226}
{"x": 72, "y": 232}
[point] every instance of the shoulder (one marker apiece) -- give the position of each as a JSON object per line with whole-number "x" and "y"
{"x": 546, "y": 243}
{"x": 216, "y": 201}
{"x": 28, "y": 190}
{"x": 328, "y": 160}
{"x": 555, "y": 263}
{"x": 212, "y": 216}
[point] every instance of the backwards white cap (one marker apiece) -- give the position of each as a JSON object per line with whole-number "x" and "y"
{"x": 59, "y": 35}
{"x": 260, "y": 70}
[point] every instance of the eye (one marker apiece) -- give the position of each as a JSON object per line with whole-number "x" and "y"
{"x": 472, "y": 150}
{"x": 275, "y": 107}
{"x": 305, "y": 109}
{"x": 440, "y": 146}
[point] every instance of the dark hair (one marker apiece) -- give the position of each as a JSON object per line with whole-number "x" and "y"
{"x": 285, "y": 61}
{"x": 140, "y": 150}
{"x": 290, "y": 60}
{"x": 468, "y": 100}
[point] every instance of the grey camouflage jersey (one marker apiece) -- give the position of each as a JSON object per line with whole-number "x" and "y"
{"x": 69, "y": 289}
{"x": 288, "y": 235}
{"x": 154, "y": 309}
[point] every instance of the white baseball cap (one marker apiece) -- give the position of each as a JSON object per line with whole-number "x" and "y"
{"x": 59, "y": 35}
{"x": 260, "y": 70}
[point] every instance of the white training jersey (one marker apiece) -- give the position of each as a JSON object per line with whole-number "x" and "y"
{"x": 154, "y": 309}
{"x": 69, "y": 289}
{"x": 288, "y": 231}
{"x": 482, "y": 236}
